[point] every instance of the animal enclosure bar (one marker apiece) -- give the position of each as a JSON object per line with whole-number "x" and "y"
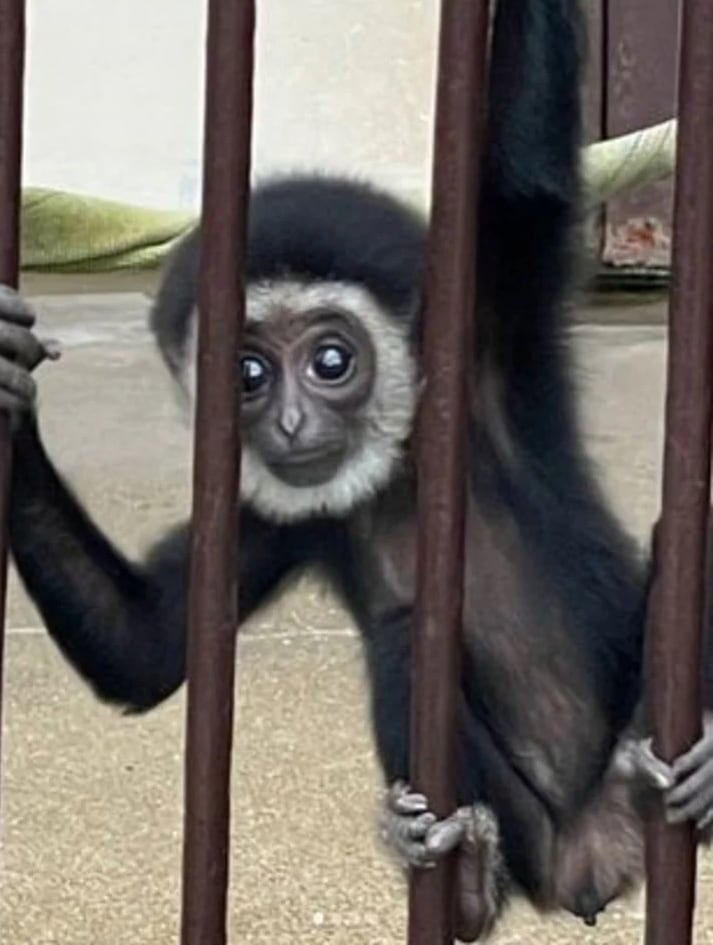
{"x": 12, "y": 59}
{"x": 446, "y": 340}
{"x": 678, "y": 594}
{"x": 213, "y": 592}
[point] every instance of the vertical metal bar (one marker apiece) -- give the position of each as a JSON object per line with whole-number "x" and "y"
{"x": 593, "y": 93}
{"x": 213, "y": 575}
{"x": 640, "y": 75}
{"x": 450, "y": 295}
{"x": 675, "y": 641}
{"x": 12, "y": 63}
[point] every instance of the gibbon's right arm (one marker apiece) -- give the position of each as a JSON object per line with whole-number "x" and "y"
{"x": 121, "y": 625}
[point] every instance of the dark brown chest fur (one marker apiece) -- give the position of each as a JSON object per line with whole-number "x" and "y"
{"x": 526, "y": 681}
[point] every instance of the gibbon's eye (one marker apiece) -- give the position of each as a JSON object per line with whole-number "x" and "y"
{"x": 332, "y": 362}
{"x": 255, "y": 374}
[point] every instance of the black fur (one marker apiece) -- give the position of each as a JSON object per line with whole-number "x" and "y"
{"x": 313, "y": 228}
{"x": 123, "y": 626}
{"x": 529, "y": 208}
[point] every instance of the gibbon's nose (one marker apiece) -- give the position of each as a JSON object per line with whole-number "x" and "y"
{"x": 291, "y": 420}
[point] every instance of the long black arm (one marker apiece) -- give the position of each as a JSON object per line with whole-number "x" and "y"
{"x": 121, "y": 625}
{"x": 528, "y": 246}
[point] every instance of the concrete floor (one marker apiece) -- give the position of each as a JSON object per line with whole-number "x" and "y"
{"x": 92, "y": 801}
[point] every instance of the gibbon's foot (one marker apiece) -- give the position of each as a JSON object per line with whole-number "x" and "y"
{"x": 415, "y": 836}
{"x": 685, "y": 786}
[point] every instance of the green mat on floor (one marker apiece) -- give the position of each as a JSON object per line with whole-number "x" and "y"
{"x": 64, "y": 232}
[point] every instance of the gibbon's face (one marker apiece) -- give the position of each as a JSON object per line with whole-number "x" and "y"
{"x": 328, "y": 397}
{"x": 305, "y": 380}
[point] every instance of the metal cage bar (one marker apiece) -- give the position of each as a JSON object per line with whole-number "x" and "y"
{"x": 214, "y": 548}
{"x": 447, "y": 344}
{"x": 12, "y": 63}
{"x": 678, "y": 593}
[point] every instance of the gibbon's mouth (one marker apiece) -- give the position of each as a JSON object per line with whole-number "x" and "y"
{"x": 308, "y": 467}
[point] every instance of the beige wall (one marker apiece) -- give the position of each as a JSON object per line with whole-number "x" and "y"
{"x": 114, "y": 93}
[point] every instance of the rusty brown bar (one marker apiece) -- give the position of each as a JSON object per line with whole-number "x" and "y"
{"x": 450, "y": 294}
{"x": 12, "y": 63}
{"x": 675, "y": 641}
{"x": 641, "y": 51}
{"x": 213, "y": 591}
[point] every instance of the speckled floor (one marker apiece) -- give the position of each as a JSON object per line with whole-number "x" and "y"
{"x": 92, "y": 801}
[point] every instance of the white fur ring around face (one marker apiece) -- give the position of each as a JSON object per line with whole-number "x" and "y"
{"x": 387, "y": 416}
